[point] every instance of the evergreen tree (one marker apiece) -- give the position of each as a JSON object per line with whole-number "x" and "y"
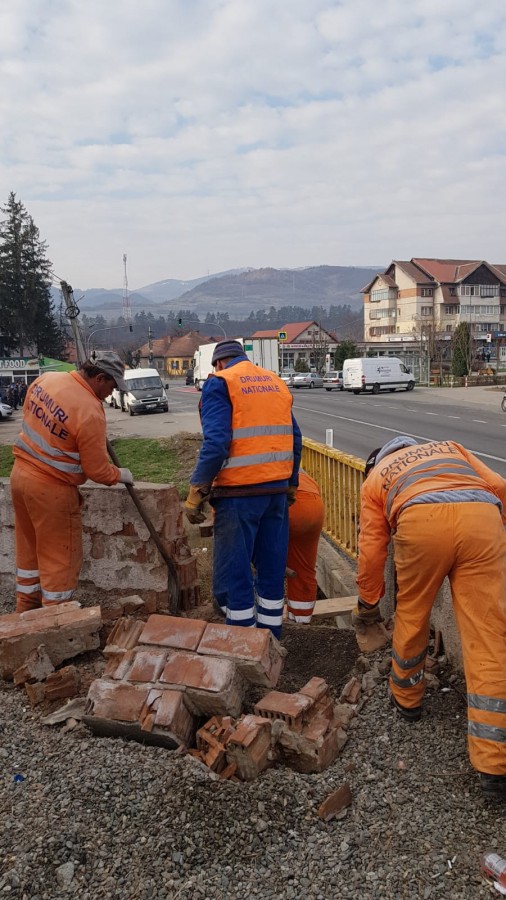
{"x": 27, "y": 319}
{"x": 462, "y": 350}
{"x": 346, "y": 350}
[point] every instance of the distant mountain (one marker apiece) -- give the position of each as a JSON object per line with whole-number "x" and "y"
{"x": 238, "y": 292}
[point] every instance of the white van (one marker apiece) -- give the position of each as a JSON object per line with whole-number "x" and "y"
{"x": 145, "y": 393}
{"x": 376, "y": 373}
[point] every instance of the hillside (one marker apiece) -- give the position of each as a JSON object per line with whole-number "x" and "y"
{"x": 237, "y": 292}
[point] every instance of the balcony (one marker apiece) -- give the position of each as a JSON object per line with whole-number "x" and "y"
{"x": 384, "y": 296}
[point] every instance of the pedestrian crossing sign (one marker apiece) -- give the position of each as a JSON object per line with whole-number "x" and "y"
{"x": 282, "y": 335}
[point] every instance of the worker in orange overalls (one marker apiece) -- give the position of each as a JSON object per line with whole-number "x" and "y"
{"x": 62, "y": 443}
{"x": 305, "y": 518}
{"x": 446, "y": 510}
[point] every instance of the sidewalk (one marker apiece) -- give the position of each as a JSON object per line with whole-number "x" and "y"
{"x": 482, "y": 395}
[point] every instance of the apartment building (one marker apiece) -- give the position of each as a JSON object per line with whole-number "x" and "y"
{"x": 410, "y": 300}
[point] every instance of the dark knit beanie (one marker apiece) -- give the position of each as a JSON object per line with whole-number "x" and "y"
{"x": 227, "y": 350}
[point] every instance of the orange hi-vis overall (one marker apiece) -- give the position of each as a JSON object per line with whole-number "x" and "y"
{"x": 306, "y": 521}
{"x": 461, "y": 538}
{"x": 261, "y": 449}
{"x": 62, "y": 443}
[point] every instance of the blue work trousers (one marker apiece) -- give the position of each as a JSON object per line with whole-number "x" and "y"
{"x": 251, "y": 530}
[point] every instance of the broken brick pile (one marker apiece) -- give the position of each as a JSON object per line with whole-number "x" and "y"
{"x": 305, "y": 731}
{"x": 164, "y": 675}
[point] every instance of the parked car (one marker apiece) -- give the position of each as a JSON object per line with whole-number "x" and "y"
{"x": 307, "y": 379}
{"x": 5, "y": 410}
{"x": 288, "y": 377}
{"x": 190, "y": 376}
{"x": 333, "y": 381}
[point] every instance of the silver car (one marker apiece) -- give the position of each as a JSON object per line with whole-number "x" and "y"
{"x": 5, "y": 410}
{"x": 307, "y": 379}
{"x": 333, "y": 381}
{"x": 288, "y": 377}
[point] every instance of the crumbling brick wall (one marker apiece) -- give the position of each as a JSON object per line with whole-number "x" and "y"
{"x": 120, "y": 557}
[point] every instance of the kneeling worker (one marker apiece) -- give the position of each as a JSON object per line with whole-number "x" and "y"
{"x": 62, "y": 443}
{"x": 446, "y": 510}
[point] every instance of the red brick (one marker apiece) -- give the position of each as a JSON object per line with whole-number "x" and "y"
{"x": 187, "y": 571}
{"x": 304, "y": 754}
{"x": 258, "y": 655}
{"x": 123, "y": 636}
{"x": 116, "y": 701}
{"x": 249, "y": 746}
{"x": 213, "y": 686}
{"x": 172, "y": 714}
{"x": 172, "y": 631}
{"x": 316, "y": 688}
{"x": 35, "y": 692}
{"x": 62, "y": 684}
{"x": 147, "y": 664}
{"x": 335, "y": 802}
{"x": 288, "y": 707}
{"x": 351, "y": 691}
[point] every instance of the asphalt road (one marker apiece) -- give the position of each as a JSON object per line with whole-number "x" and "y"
{"x": 471, "y": 416}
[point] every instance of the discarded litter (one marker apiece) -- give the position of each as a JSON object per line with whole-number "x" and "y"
{"x": 18, "y": 777}
{"x": 494, "y": 866}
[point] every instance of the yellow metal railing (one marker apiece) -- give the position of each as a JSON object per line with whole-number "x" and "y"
{"x": 340, "y": 478}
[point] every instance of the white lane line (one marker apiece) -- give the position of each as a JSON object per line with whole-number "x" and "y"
{"x": 480, "y": 421}
{"x": 453, "y": 417}
{"x": 420, "y": 437}
{"x": 432, "y": 414}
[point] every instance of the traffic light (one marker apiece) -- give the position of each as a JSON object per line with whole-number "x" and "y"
{"x": 180, "y": 322}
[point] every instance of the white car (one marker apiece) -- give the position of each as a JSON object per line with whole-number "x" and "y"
{"x": 288, "y": 377}
{"x": 333, "y": 381}
{"x": 5, "y": 410}
{"x": 307, "y": 379}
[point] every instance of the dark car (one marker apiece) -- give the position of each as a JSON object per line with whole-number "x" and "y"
{"x": 189, "y": 376}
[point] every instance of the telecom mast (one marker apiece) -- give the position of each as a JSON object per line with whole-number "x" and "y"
{"x": 127, "y": 312}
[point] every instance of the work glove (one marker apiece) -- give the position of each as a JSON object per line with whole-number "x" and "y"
{"x": 365, "y": 615}
{"x": 125, "y": 476}
{"x": 291, "y": 495}
{"x": 197, "y": 496}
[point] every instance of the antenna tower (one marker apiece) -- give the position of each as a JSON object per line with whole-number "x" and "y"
{"x": 127, "y": 312}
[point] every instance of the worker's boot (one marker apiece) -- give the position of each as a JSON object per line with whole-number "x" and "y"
{"x": 410, "y": 715}
{"x": 493, "y": 786}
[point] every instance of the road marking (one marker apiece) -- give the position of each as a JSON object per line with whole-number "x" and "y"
{"x": 419, "y": 437}
{"x": 448, "y": 417}
{"x": 480, "y": 421}
{"x": 431, "y": 414}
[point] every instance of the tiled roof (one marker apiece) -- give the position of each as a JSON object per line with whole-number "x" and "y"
{"x": 186, "y": 345}
{"x": 449, "y": 270}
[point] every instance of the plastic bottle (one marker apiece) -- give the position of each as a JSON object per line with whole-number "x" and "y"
{"x": 494, "y": 866}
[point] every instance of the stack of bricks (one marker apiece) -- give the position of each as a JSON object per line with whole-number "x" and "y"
{"x": 64, "y": 630}
{"x": 162, "y": 676}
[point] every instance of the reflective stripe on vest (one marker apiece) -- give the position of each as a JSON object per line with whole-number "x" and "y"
{"x": 449, "y": 466}
{"x": 261, "y": 449}
{"x": 71, "y": 468}
{"x": 486, "y": 732}
{"x": 37, "y": 439}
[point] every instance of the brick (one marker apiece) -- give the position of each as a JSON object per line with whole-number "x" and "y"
{"x": 258, "y": 655}
{"x": 211, "y": 741}
{"x": 335, "y": 802}
{"x": 373, "y": 638}
{"x": 62, "y": 684}
{"x": 173, "y": 714}
{"x": 36, "y": 667}
{"x": 343, "y": 714}
{"x": 147, "y": 664}
{"x": 65, "y": 630}
{"x": 172, "y": 631}
{"x": 119, "y": 702}
{"x": 123, "y": 636}
{"x": 304, "y": 754}
{"x": 351, "y": 691}
{"x": 35, "y": 692}
{"x": 187, "y": 571}
{"x": 248, "y": 748}
{"x": 213, "y": 686}
{"x": 288, "y": 707}
{"x": 316, "y": 688}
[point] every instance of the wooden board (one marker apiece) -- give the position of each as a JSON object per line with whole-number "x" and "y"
{"x": 335, "y": 606}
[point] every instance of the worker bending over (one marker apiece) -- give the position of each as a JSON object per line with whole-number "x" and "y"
{"x": 305, "y": 518}
{"x": 248, "y": 466}
{"x": 62, "y": 443}
{"x": 445, "y": 509}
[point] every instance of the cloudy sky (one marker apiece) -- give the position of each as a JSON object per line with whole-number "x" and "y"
{"x": 203, "y": 135}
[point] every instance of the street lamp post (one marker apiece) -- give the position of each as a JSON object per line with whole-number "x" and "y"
{"x": 97, "y": 330}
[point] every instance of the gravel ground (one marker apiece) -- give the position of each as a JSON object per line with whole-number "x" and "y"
{"x": 98, "y": 818}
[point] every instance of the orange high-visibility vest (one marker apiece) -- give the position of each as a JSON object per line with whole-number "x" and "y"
{"x": 63, "y": 435}
{"x": 261, "y": 449}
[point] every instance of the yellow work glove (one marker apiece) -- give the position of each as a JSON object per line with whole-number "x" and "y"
{"x": 291, "y": 495}
{"x": 197, "y": 496}
{"x": 365, "y": 615}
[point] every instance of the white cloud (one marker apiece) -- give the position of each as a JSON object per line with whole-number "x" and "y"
{"x": 204, "y": 135}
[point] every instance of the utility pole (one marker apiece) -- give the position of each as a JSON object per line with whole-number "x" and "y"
{"x": 127, "y": 311}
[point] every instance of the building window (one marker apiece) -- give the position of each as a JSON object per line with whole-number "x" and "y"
{"x": 453, "y": 292}
{"x": 427, "y": 292}
{"x": 449, "y": 328}
{"x": 479, "y": 310}
{"x": 451, "y": 310}
{"x": 426, "y": 310}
